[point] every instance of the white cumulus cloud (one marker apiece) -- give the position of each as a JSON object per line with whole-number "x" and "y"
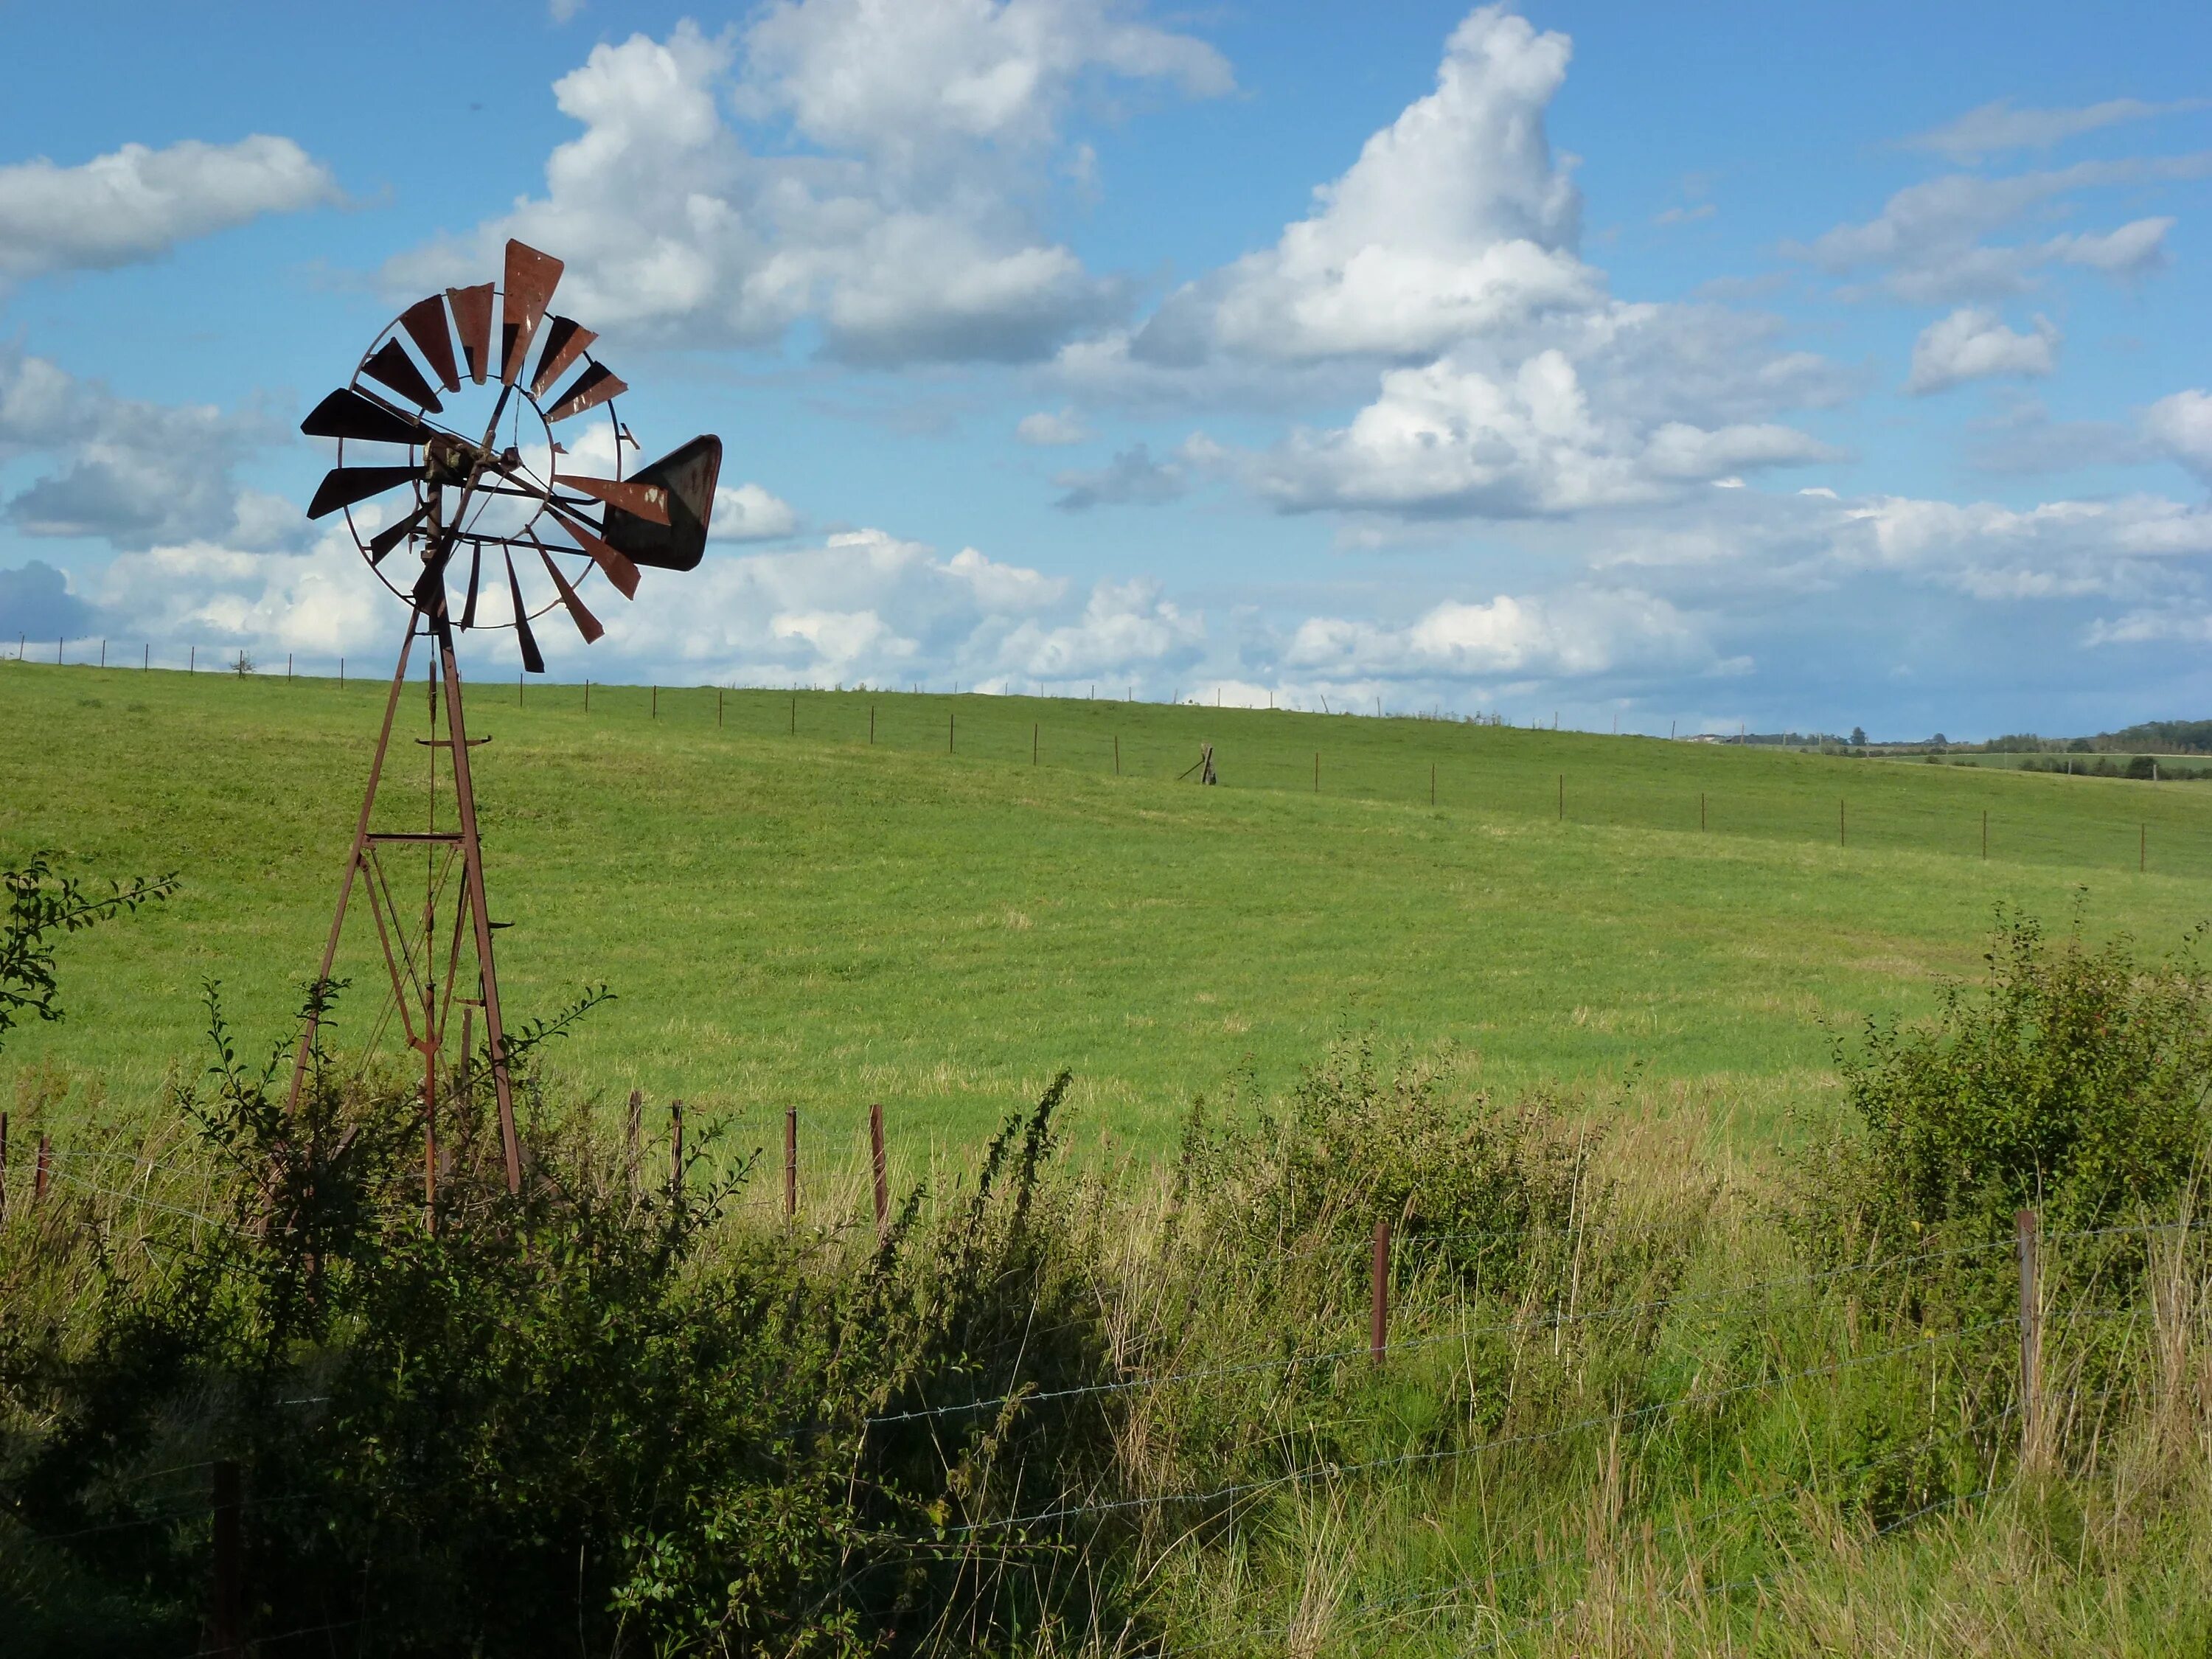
{"x": 137, "y": 203}
{"x": 1974, "y": 344}
{"x": 905, "y": 230}
{"x": 747, "y": 513}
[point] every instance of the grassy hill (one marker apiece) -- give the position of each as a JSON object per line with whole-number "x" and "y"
{"x": 793, "y": 916}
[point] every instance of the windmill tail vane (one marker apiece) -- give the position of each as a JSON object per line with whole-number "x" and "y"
{"x": 479, "y": 433}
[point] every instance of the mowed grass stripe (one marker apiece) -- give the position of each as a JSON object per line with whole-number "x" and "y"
{"x": 810, "y": 921}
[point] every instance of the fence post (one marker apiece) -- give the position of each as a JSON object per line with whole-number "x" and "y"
{"x": 632, "y": 1131}
{"x": 1433, "y": 783}
{"x": 948, "y": 731}
{"x": 1378, "y": 1293}
{"x": 871, "y": 723}
{"x": 1317, "y": 771}
{"x": 518, "y": 691}
{"x": 587, "y": 697}
{"x": 341, "y": 671}
{"x": 791, "y": 1161}
{"x": 675, "y": 1149}
{"x": 794, "y": 713}
{"x": 656, "y": 702}
{"x": 3, "y": 1166}
{"x": 39, "y": 1175}
{"x": 192, "y": 661}
{"x": 883, "y": 1174}
{"x": 1701, "y": 809}
{"x": 226, "y": 1627}
{"x": 2030, "y": 1340}
{"x": 288, "y": 659}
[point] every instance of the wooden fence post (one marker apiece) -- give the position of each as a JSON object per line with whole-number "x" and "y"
{"x": 1035, "y": 727}
{"x": 1378, "y": 1293}
{"x": 1701, "y": 809}
{"x": 790, "y": 1161}
{"x": 587, "y": 697}
{"x": 1317, "y": 771}
{"x": 3, "y": 1166}
{"x": 227, "y": 1623}
{"x": 656, "y": 702}
{"x": 948, "y": 731}
{"x": 2030, "y": 1340}
{"x": 883, "y": 1172}
{"x": 675, "y": 1149}
{"x": 39, "y": 1175}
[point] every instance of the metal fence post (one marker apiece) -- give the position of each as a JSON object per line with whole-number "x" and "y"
{"x": 675, "y": 1149}
{"x": 882, "y": 1173}
{"x": 2030, "y": 1340}
{"x": 1378, "y": 1293}
{"x": 633, "y": 1132}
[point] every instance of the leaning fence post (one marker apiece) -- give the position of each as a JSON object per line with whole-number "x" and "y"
{"x": 38, "y": 1177}
{"x": 883, "y": 1174}
{"x": 675, "y": 1149}
{"x": 1378, "y": 1294}
{"x": 226, "y": 1627}
{"x": 2030, "y": 1340}
{"x": 791, "y": 1160}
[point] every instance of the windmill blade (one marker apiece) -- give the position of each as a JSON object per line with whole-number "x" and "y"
{"x": 425, "y": 323}
{"x": 565, "y": 340}
{"x": 472, "y": 321}
{"x": 392, "y": 367}
{"x": 686, "y": 476}
{"x": 347, "y": 413}
{"x": 620, "y": 571}
{"x": 391, "y": 535}
{"x": 341, "y": 486}
{"x": 533, "y": 660}
{"x": 592, "y": 387}
{"x": 531, "y": 279}
{"x": 645, "y": 501}
{"x": 586, "y": 623}
{"x": 476, "y": 569}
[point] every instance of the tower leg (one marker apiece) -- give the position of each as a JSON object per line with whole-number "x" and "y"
{"x": 473, "y": 897}
{"x": 353, "y": 861}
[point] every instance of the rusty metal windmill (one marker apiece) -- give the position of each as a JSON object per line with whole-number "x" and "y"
{"x": 491, "y": 488}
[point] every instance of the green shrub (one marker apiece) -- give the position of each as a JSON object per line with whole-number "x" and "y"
{"x": 2074, "y": 1081}
{"x": 604, "y": 1413}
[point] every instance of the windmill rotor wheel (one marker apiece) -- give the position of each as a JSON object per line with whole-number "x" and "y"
{"x": 454, "y": 443}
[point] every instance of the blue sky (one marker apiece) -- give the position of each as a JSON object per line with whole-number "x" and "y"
{"x": 1803, "y": 366}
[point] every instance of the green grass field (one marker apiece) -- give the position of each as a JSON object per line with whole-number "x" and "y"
{"x": 803, "y": 918}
